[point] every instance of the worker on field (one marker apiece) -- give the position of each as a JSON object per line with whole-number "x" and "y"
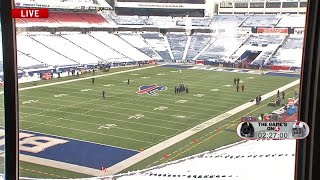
{"x": 242, "y": 88}
{"x": 259, "y": 98}
{"x": 187, "y": 89}
{"x": 283, "y": 94}
{"x": 92, "y": 80}
{"x": 238, "y": 80}
{"x": 235, "y": 80}
{"x": 175, "y": 89}
{"x": 237, "y": 87}
{"x": 128, "y": 83}
{"x": 103, "y": 94}
{"x": 278, "y": 94}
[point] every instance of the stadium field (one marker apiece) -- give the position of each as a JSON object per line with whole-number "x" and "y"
{"x": 128, "y": 122}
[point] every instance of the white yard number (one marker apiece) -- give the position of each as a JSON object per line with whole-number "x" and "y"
{"x": 181, "y": 101}
{"x": 198, "y": 95}
{"x": 29, "y": 102}
{"x": 60, "y": 95}
{"x": 214, "y": 90}
{"x": 86, "y": 90}
{"x": 107, "y": 126}
{"x": 227, "y": 85}
{"x": 108, "y": 85}
{"x": 145, "y": 77}
{"x": 161, "y": 108}
{"x": 180, "y": 117}
{"x": 241, "y": 81}
{"x": 161, "y": 74}
{"x": 136, "y": 116}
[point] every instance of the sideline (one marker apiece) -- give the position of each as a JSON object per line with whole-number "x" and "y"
{"x": 165, "y": 144}
{"x": 84, "y": 78}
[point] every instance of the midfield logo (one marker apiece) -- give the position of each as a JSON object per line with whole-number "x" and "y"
{"x": 151, "y": 89}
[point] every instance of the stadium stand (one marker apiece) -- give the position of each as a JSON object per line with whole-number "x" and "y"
{"x": 165, "y": 22}
{"x": 26, "y": 61}
{"x": 138, "y": 42}
{"x": 157, "y": 42}
{"x": 92, "y": 18}
{"x": 194, "y": 22}
{"x": 72, "y": 52}
{"x": 93, "y": 46}
{"x": 128, "y": 20}
{"x": 261, "y": 21}
{"x": 42, "y": 53}
{"x": 198, "y": 42}
{"x": 292, "y": 21}
{"x": 222, "y": 48}
{"x": 177, "y": 43}
{"x": 120, "y": 46}
{"x": 290, "y": 53}
{"x": 227, "y": 20}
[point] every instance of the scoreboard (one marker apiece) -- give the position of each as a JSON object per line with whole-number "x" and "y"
{"x": 250, "y": 128}
{"x": 181, "y": 8}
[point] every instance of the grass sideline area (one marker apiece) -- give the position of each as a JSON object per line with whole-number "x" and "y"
{"x": 77, "y": 110}
{"x": 218, "y": 135}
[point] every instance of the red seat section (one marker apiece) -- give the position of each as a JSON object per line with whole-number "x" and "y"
{"x": 20, "y": 21}
{"x": 92, "y": 18}
{"x": 66, "y": 17}
{"x": 39, "y": 20}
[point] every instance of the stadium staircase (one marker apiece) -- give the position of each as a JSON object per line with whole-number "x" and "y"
{"x": 54, "y": 50}
{"x": 111, "y": 47}
{"x": 276, "y": 50}
{"x": 243, "y": 21}
{"x": 186, "y": 48}
{"x": 31, "y": 57}
{"x": 168, "y": 46}
{"x": 82, "y": 48}
{"x": 212, "y": 41}
{"x": 244, "y": 42}
{"x": 135, "y": 47}
{"x": 150, "y": 46}
{"x": 277, "y": 22}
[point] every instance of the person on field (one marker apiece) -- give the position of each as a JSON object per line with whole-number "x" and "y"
{"x": 103, "y": 94}
{"x": 237, "y": 87}
{"x": 92, "y": 80}
{"x": 283, "y": 94}
{"x": 242, "y": 88}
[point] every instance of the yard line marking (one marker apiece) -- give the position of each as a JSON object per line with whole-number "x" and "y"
{"x": 90, "y": 132}
{"x": 84, "y": 78}
{"x": 132, "y": 122}
{"x": 165, "y": 144}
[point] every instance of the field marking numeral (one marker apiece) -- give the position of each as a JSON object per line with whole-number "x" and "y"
{"x": 30, "y": 101}
{"x": 215, "y": 90}
{"x": 108, "y": 126}
{"x": 145, "y": 77}
{"x": 136, "y": 116}
{"x": 161, "y": 108}
{"x": 161, "y": 74}
{"x": 108, "y": 85}
{"x": 227, "y": 85}
{"x": 60, "y": 95}
{"x": 180, "y": 116}
{"x": 181, "y": 101}
{"x": 86, "y": 90}
{"x": 198, "y": 95}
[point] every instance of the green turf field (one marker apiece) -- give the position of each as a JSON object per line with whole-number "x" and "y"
{"x": 128, "y": 120}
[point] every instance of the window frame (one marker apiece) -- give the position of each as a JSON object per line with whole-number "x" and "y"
{"x": 11, "y": 103}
